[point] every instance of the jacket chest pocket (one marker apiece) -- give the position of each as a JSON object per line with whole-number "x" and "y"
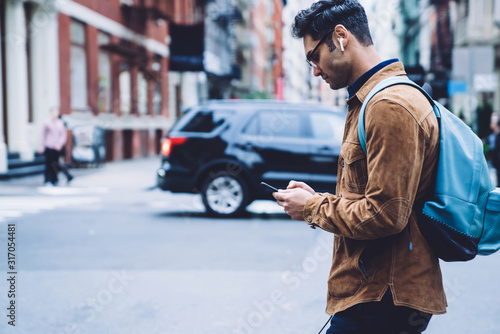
{"x": 354, "y": 165}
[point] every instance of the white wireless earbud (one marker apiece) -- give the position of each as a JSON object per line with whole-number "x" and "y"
{"x": 341, "y": 41}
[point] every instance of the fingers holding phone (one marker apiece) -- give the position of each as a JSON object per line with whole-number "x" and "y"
{"x": 301, "y": 185}
{"x": 293, "y": 201}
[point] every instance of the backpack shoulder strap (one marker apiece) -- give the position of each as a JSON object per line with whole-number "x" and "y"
{"x": 391, "y": 81}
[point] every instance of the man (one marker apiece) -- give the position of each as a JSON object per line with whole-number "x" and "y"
{"x": 384, "y": 277}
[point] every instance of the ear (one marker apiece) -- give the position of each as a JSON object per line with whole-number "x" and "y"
{"x": 341, "y": 37}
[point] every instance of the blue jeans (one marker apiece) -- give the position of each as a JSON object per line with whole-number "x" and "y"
{"x": 379, "y": 318}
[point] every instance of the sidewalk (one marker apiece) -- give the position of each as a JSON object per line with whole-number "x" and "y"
{"x": 123, "y": 174}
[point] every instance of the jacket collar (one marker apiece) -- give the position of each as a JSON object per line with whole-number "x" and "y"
{"x": 394, "y": 69}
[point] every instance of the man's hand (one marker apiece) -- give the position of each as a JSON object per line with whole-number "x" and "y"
{"x": 302, "y": 185}
{"x": 294, "y": 198}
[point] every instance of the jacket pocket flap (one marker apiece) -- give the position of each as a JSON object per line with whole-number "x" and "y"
{"x": 352, "y": 152}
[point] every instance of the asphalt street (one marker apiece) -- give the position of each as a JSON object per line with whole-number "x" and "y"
{"x": 112, "y": 254}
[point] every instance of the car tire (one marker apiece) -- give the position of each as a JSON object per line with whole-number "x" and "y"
{"x": 224, "y": 194}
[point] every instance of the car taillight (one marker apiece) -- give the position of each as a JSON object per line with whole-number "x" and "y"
{"x": 169, "y": 143}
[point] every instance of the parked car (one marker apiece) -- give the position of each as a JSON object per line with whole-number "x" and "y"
{"x": 223, "y": 149}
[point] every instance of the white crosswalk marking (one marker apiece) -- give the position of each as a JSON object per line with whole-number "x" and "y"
{"x": 61, "y": 191}
{"x": 18, "y": 206}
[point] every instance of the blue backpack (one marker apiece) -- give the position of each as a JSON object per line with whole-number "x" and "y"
{"x": 462, "y": 217}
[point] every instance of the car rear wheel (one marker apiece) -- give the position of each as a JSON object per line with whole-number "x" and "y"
{"x": 224, "y": 195}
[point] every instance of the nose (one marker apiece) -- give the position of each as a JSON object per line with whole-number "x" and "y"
{"x": 316, "y": 71}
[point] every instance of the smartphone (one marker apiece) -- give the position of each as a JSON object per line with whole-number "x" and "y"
{"x": 269, "y": 186}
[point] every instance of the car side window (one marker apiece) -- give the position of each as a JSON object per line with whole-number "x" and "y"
{"x": 326, "y": 127}
{"x": 276, "y": 123}
{"x": 207, "y": 121}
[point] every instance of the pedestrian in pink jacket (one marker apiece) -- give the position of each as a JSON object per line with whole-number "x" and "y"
{"x": 53, "y": 140}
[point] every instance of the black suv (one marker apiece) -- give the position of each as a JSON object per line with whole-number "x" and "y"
{"x": 223, "y": 149}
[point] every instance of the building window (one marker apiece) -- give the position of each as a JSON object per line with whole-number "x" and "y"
{"x": 125, "y": 89}
{"x": 157, "y": 98}
{"x": 78, "y": 67}
{"x": 142, "y": 93}
{"x": 156, "y": 76}
{"x": 104, "y": 74}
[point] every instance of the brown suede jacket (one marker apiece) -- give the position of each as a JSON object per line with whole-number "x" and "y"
{"x": 372, "y": 213}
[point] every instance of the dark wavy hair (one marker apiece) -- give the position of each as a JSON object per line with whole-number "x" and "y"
{"x": 324, "y": 15}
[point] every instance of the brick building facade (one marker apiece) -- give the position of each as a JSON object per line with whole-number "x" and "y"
{"x": 105, "y": 63}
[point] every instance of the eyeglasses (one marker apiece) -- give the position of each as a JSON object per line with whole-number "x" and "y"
{"x": 309, "y": 57}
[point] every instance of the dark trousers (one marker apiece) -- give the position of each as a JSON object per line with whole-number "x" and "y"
{"x": 379, "y": 318}
{"x": 64, "y": 169}
{"x": 51, "y": 165}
